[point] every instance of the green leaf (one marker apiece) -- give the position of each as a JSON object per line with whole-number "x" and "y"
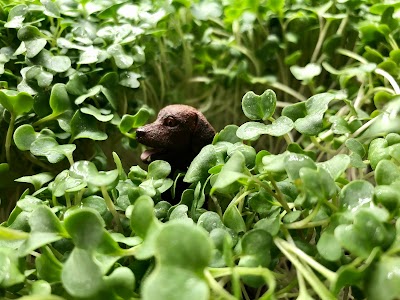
{"x": 158, "y": 169}
{"x": 139, "y": 119}
{"x": 34, "y": 40}
{"x": 272, "y": 164}
{"x": 65, "y": 181}
{"x": 355, "y": 195}
{"x": 45, "y": 228}
{"x": 382, "y": 282}
{"x": 16, "y": 103}
{"x": 306, "y": 73}
{"x": 43, "y": 219}
{"x": 253, "y": 130}
{"x": 41, "y": 287}
{"x": 318, "y": 185}
{"x": 228, "y": 134}
{"x": 294, "y": 162}
{"x": 356, "y": 147}
{"x": 11, "y": 271}
{"x": 76, "y": 84}
{"x": 308, "y": 117}
{"x": 377, "y": 151}
{"x": 336, "y": 165}
{"x": 183, "y": 251}
{"x": 16, "y": 16}
{"x": 198, "y": 169}
{"x": 85, "y": 126}
{"x": 256, "y": 246}
{"x": 328, "y": 247}
{"x": 257, "y": 107}
{"x": 50, "y": 8}
{"x": 145, "y": 225}
{"x": 129, "y": 79}
{"x": 122, "y": 60}
{"x": 122, "y": 281}
{"x": 85, "y": 226}
{"x": 58, "y": 64}
{"x": 43, "y": 78}
{"x": 100, "y": 115}
{"x": 386, "y": 172}
{"x": 48, "y": 266}
{"x": 59, "y": 99}
{"x": 248, "y": 152}
{"x": 365, "y": 234}
{"x": 233, "y": 219}
{"x": 97, "y": 203}
{"x": 37, "y": 180}
{"x": 24, "y": 136}
{"x": 81, "y": 276}
{"x": 204, "y": 11}
{"x": 230, "y": 173}
{"x": 388, "y": 196}
{"x": 103, "y": 178}
{"x": 48, "y": 146}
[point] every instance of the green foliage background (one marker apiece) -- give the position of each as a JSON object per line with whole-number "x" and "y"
{"x": 312, "y": 178}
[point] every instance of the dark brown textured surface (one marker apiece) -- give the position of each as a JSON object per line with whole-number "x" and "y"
{"x": 176, "y": 136}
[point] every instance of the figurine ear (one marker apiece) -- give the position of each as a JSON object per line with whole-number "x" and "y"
{"x": 202, "y": 134}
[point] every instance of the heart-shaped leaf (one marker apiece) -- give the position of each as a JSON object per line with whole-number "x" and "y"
{"x": 130, "y": 79}
{"x": 139, "y": 119}
{"x": 58, "y": 64}
{"x": 42, "y": 77}
{"x": 37, "y": 180}
{"x": 259, "y": 107}
{"x": 16, "y": 103}
{"x": 306, "y": 73}
{"x": 308, "y": 117}
{"x": 253, "y": 130}
{"x": 49, "y": 147}
{"x": 100, "y": 115}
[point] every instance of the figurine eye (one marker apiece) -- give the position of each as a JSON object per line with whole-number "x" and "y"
{"x": 170, "y": 122}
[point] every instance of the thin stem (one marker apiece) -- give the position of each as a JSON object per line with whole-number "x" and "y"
{"x": 331, "y": 276}
{"x": 10, "y": 132}
{"x": 306, "y": 220}
{"x": 288, "y": 90}
{"x": 111, "y": 207}
{"x": 276, "y": 196}
{"x": 312, "y": 279}
{"x": 389, "y": 78}
{"x": 321, "y": 39}
{"x": 216, "y": 287}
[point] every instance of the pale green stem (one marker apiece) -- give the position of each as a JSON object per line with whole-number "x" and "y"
{"x": 306, "y": 220}
{"x": 331, "y": 276}
{"x": 312, "y": 279}
{"x": 10, "y": 132}
{"x": 217, "y": 288}
{"x": 111, "y": 207}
